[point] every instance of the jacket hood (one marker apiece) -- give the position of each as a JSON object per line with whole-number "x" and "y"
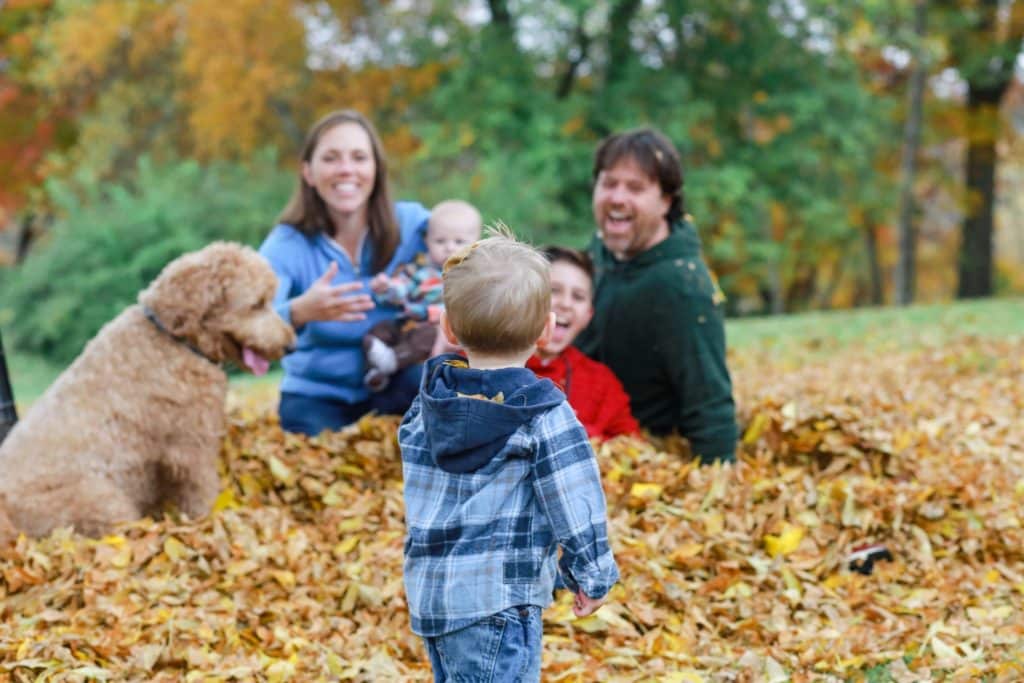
{"x": 469, "y": 414}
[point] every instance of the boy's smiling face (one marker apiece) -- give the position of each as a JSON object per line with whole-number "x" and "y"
{"x": 572, "y": 304}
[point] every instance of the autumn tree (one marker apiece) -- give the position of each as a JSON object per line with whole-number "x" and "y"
{"x": 984, "y": 38}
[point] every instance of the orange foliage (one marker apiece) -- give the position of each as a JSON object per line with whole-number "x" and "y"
{"x": 237, "y": 61}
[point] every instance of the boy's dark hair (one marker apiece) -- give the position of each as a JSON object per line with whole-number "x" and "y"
{"x": 575, "y": 257}
{"x": 654, "y": 153}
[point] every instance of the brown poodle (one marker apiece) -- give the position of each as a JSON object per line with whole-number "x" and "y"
{"x": 137, "y": 420}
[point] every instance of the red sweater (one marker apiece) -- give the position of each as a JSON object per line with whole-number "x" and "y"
{"x": 593, "y": 390}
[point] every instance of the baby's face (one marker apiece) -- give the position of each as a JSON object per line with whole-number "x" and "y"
{"x": 444, "y": 238}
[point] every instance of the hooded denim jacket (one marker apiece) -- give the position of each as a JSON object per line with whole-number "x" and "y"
{"x": 498, "y": 473}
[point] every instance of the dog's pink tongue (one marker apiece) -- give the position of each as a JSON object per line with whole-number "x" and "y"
{"x": 255, "y": 362}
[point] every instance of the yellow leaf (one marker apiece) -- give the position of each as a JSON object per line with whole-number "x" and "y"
{"x": 713, "y": 523}
{"x": 740, "y": 589}
{"x": 756, "y": 427}
{"x": 345, "y": 546}
{"x": 792, "y": 583}
{"x": 681, "y": 677}
{"x": 785, "y": 543}
{"x": 591, "y": 624}
{"x": 351, "y": 524}
{"x": 335, "y": 664}
{"x": 226, "y": 500}
{"x": 370, "y": 595}
{"x": 332, "y": 496}
{"x": 116, "y": 541}
{"x": 943, "y": 651}
{"x": 285, "y": 578}
{"x": 348, "y": 602}
{"x": 281, "y": 472}
{"x": 175, "y": 549}
{"x": 279, "y": 671}
{"x": 123, "y": 558}
{"x": 686, "y": 551}
{"x": 242, "y": 567}
{"x": 646, "y": 491}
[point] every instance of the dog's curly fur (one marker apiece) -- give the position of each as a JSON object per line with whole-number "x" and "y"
{"x": 137, "y": 420}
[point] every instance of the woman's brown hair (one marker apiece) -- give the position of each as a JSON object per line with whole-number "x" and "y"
{"x": 307, "y": 212}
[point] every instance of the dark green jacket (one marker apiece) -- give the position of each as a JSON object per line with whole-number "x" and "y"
{"x": 658, "y": 323}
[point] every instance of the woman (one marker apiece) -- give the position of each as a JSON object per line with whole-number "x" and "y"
{"x": 339, "y": 229}
{"x": 593, "y": 390}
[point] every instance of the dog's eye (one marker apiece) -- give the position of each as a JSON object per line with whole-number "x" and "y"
{"x": 259, "y": 304}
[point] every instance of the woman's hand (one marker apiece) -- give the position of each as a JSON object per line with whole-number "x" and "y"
{"x": 324, "y": 301}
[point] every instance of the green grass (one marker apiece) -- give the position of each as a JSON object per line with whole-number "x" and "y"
{"x": 817, "y": 332}
{"x": 880, "y": 328}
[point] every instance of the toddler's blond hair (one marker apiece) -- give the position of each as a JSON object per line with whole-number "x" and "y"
{"x": 497, "y": 293}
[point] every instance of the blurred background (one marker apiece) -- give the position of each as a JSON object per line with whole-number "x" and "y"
{"x": 837, "y": 154}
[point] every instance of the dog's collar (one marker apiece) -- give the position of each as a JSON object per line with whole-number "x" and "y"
{"x": 151, "y": 316}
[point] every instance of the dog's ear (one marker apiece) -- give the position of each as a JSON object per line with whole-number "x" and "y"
{"x": 190, "y": 289}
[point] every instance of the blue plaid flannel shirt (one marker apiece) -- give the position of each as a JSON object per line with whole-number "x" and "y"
{"x": 481, "y": 542}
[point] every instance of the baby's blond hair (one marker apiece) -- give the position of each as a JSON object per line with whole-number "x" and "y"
{"x": 497, "y": 293}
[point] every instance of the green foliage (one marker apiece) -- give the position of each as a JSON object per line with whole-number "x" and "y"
{"x": 779, "y": 132}
{"x": 113, "y": 240}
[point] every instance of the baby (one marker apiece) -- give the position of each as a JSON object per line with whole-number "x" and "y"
{"x": 393, "y": 345}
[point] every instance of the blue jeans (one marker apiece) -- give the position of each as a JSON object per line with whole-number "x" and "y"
{"x": 308, "y": 415}
{"x": 504, "y": 647}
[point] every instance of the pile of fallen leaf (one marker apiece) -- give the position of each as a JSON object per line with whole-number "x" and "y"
{"x": 729, "y": 572}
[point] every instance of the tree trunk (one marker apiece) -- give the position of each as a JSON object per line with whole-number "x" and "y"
{"x": 905, "y": 268}
{"x": 620, "y": 52}
{"x": 582, "y": 46}
{"x": 975, "y": 273}
{"x": 8, "y": 413}
{"x": 874, "y": 267}
{"x": 26, "y": 235}
{"x": 986, "y": 54}
{"x": 501, "y": 18}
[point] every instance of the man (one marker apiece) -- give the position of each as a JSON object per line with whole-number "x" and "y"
{"x": 658, "y": 319}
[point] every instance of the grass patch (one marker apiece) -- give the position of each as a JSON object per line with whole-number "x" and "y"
{"x": 29, "y": 375}
{"x": 885, "y": 328}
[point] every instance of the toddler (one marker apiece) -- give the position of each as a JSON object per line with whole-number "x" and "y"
{"x": 498, "y": 474}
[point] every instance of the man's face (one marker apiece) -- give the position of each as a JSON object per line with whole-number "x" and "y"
{"x": 629, "y": 209}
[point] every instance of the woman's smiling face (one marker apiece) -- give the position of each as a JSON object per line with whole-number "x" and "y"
{"x": 572, "y": 303}
{"x": 342, "y": 169}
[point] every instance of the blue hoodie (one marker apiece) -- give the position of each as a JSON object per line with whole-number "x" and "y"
{"x": 464, "y": 433}
{"x": 498, "y": 473}
{"x": 328, "y": 359}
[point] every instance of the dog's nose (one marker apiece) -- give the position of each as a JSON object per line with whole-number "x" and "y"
{"x": 289, "y": 349}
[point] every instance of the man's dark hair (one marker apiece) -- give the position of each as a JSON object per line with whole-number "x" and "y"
{"x": 654, "y": 154}
{"x": 575, "y": 257}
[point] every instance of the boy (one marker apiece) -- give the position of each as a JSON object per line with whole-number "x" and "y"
{"x": 394, "y": 345}
{"x": 592, "y": 389}
{"x": 498, "y": 473}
